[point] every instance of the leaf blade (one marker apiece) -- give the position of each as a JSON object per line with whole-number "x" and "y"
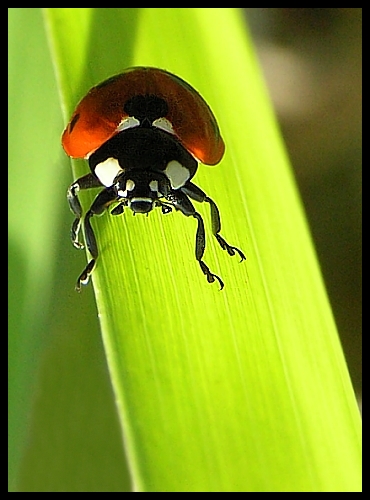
{"x": 225, "y": 376}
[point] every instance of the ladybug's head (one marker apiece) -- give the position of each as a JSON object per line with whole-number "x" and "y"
{"x": 141, "y": 190}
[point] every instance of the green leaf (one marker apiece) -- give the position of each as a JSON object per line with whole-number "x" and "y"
{"x": 31, "y": 216}
{"x": 240, "y": 390}
{"x": 63, "y": 427}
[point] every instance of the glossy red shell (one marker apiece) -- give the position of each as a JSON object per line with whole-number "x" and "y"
{"x": 99, "y": 113}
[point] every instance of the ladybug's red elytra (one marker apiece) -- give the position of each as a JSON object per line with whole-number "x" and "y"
{"x": 143, "y": 132}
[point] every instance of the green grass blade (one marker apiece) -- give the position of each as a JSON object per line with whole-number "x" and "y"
{"x": 32, "y": 214}
{"x": 63, "y": 432}
{"x": 240, "y": 390}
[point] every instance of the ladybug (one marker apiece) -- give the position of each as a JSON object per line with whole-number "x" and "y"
{"x": 143, "y": 133}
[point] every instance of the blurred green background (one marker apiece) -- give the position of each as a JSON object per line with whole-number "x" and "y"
{"x": 312, "y": 62}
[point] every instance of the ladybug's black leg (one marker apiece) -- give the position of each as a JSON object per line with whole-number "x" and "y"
{"x": 200, "y": 244}
{"x": 101, "y": 202}
{"x": 166, "y": 209}
{"x": 198, "y": 195}
{"x": 181, "y": 202}
{"x": 86, "y": 182}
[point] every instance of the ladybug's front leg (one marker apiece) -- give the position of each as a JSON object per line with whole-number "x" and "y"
{"x": 197, "y": 194}
{"x": 88, "y": 181}
{"x": 181, "y": 202}
{"x": 101, "y": 202}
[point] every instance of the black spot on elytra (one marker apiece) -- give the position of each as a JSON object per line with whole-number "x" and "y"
{"x": 73, "y": 122}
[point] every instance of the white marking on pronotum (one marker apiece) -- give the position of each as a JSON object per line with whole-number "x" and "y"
{"x": 129, "y": 122}
{"x": 107, "y": 171}
{"x": 163, "y": 124}
{"x": 177, "y": 174}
